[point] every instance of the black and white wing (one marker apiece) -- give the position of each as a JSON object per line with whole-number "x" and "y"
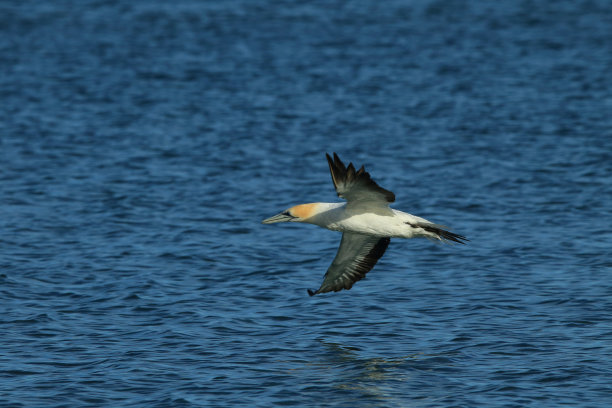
{"x": 356, "y": 185}
{"x": 356, "y": 256}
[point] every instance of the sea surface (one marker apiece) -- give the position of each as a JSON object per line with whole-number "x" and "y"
{"x": 142, "y": 143}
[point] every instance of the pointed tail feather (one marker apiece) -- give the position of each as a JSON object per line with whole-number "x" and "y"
{"x": 440, "y": 232}
{"x": 444, "y": 234}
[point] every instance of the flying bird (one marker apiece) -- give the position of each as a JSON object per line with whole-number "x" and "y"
{"x": 366, "y": 221}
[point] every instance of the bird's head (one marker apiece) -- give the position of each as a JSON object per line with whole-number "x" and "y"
{"x": 298, "y": 213}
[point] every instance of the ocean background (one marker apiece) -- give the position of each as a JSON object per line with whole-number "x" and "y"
{"x": 142, "y": 143}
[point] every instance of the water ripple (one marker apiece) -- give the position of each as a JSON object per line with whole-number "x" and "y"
{"x": 143, "y": 143}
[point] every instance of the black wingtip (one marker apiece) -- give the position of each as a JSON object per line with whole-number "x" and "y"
{"x": 310, "y": 292}
{"x": 333, "y": 158}
{"x": 338, "y": 162}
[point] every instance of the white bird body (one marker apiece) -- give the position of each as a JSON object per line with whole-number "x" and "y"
{"x": 366, "y": 221}
{"x": 371, "y": 219}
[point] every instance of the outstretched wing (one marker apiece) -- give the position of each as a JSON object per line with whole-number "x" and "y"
{"x": 356, "y": 185}
{"x": 356, "y": 256}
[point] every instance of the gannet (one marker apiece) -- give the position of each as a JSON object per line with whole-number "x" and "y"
{"x": 366, "y": 221}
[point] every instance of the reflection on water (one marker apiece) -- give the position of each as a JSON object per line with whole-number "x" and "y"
{"x": 371, "y": 380}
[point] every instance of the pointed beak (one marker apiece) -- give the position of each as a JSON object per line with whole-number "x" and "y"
{"x": 282, "y": 217}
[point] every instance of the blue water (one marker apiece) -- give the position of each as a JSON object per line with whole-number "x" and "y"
{"x": 142, "y": 142}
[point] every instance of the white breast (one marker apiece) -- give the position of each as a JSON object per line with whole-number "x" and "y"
{"x": 382, "y": 222}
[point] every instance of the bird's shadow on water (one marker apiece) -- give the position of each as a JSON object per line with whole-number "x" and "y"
{"x": 373, "y": 381}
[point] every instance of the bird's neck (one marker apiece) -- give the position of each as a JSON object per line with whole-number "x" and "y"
{"x": 323, "y": 213}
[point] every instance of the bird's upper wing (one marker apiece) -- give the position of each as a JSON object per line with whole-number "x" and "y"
{"x": 356, "y": 256}
{"x": 356, "y": 186}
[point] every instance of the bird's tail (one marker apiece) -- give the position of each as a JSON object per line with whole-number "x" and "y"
{"x": 439, "y": 232}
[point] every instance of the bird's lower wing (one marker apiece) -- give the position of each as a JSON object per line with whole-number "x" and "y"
{"x": 356, "y": 256}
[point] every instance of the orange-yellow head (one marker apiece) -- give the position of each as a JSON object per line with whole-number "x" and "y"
{"x": 298, "y": 213}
